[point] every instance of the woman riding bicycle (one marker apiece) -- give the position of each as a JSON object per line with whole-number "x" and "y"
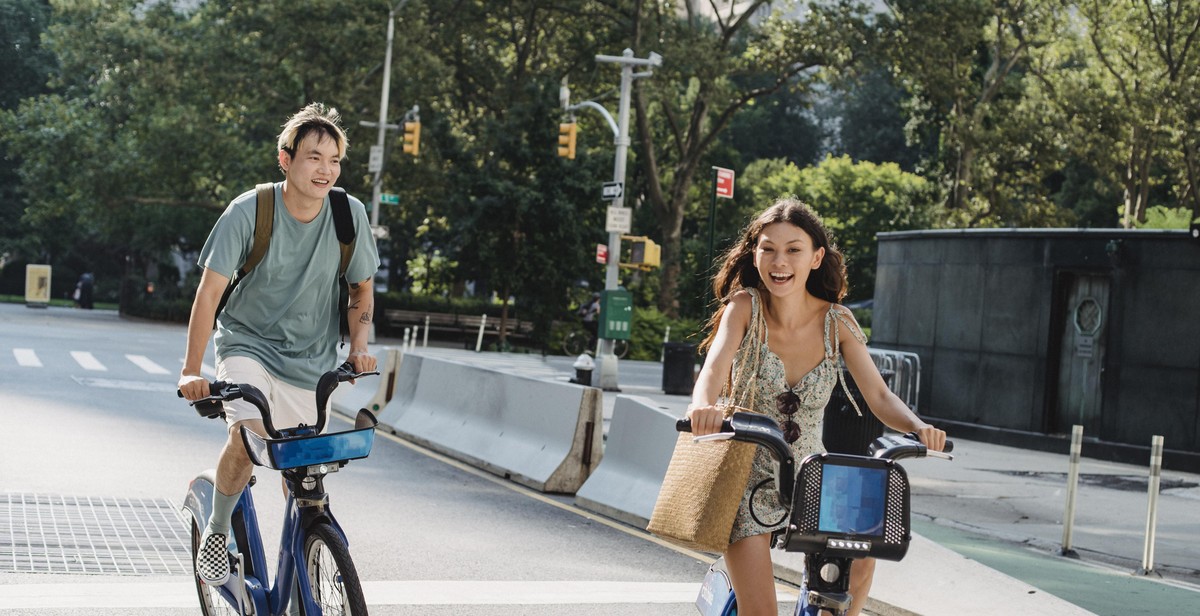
{"x": 786, "y": 267}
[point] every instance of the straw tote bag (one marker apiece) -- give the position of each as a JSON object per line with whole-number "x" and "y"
{"x": 705, "y": 481}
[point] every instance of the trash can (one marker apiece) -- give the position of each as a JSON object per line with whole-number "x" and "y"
{"x": 678, "y": 368}
{"x": 844, "y": 431}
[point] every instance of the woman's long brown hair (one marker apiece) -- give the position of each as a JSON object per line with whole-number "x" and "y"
{"x": 827, "y": 282}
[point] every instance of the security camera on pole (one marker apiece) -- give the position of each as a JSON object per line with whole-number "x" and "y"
{"x": 619, "y": 217}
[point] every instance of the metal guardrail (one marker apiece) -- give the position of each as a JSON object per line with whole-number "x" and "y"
{"x": 906, "y": 382}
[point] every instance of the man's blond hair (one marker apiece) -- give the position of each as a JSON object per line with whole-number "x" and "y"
{"x": 318, "y": 118}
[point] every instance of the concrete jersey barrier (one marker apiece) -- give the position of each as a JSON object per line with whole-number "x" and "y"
{"x": 541, "y": 434}
{"x": 641, "y": 438}
{"x": 371, "y": 393}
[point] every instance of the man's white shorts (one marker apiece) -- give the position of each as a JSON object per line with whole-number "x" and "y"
{"x": 290, "y": 405}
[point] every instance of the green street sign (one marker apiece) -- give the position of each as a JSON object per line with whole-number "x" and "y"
{"x": 616, "y": 314}
{"x": 389, "y": 198}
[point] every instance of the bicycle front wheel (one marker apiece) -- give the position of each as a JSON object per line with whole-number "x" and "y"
{"x": 331, "y": 574}
{"x": 621, "y": 348}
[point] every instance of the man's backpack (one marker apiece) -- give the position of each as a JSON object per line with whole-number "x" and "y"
{"x": 264, "y": 220}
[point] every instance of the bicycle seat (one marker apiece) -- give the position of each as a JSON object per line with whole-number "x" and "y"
{"x": 311, "y": 449}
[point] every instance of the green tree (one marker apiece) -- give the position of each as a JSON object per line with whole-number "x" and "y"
{"x": 714, "y": 65}
{"x": 25, "y": 69}
{"x": 962, "y": 64}
{"x": 1130, "y": 76}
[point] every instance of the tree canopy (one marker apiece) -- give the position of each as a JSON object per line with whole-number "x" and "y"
{"x": 130, "y": 125}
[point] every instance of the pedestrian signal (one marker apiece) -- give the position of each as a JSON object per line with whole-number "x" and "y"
{"x": 644, "y": 254}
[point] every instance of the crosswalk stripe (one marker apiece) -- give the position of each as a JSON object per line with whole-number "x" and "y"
{"x": 26, "y": 357}
{"x": 146, "y": 364}
{"x": 88, "y": 361}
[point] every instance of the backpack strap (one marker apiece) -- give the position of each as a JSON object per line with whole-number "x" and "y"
{"x": 264, "y": 221}
{"x": 343, "y": 226}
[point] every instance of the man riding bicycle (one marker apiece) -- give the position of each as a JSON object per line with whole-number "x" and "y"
{"x": 279, "y": 330}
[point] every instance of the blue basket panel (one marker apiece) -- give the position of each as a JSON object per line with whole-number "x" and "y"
{"x": 322, "y": 449}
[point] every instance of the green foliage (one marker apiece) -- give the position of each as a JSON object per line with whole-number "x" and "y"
{"x": 649, "y": 327}
{"x": 1162, "y": 217}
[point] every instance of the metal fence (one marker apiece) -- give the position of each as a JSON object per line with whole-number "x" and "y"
{"x": 906, "y": 381}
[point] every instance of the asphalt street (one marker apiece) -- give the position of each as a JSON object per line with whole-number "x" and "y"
{"x": 88, "y": 413}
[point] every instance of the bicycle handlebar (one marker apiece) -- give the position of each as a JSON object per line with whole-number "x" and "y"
{"x": 221, "y": 391}
{"x": 762, "y": 430}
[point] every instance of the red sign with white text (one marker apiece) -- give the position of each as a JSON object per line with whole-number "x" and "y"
{"x": 602, "y": 254}
{"x": 724, "y": 182}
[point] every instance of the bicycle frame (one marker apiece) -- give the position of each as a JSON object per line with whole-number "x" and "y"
{"x": 252, "y": 578}
{"x": 304, "y": 456}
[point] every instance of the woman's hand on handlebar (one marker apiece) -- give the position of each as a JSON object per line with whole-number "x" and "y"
{"x": 194, "y": 387}
{"x": 705, "y": 419}
{"x": 933, "y": 438}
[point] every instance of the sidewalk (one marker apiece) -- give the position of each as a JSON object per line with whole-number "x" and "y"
{"x": 988, "y": 527}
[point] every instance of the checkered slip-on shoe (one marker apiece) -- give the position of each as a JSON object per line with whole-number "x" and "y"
{"x": 212, "y": 560}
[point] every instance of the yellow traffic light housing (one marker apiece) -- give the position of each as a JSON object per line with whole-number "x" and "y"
{"x": 412, "y": 138}
{"x": 566, "y": 140}
{"x": 644, "y": 254}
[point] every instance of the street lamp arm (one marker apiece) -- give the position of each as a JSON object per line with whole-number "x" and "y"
{"x": 604, "y": 112}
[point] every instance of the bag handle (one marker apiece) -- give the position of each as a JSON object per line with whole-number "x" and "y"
{"x": 752, "y": 345}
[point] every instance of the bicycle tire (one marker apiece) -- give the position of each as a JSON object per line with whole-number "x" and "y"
{"x": 331, "y": 573}
{"x": 574, "y": 344}
{"x": 620, "y": 348}
{"x": 211, "y": 601}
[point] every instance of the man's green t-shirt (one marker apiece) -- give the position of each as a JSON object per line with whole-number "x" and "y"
{"x": 284, "y": 314}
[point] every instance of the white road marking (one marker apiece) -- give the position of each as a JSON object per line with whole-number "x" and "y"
{"x": 144, "y": 363}
{"x": 126, "y": 385}
{"x": 26, "y": 357}
{"x": 114, "y": 593}
{"x": 88, "y": 361}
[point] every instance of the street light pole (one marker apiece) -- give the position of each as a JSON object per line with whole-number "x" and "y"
{"x": 608, "y": 359}
{"x": 377, "y": 187}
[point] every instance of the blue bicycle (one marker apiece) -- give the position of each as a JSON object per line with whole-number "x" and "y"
{"x": 845, "y": 508}
{"x": 314, "y": 568}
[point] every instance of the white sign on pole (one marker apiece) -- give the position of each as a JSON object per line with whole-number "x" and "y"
{"x": 619, "y": 220}
{"x": 375, "y": 162}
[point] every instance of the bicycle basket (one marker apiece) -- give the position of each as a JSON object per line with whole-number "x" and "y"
{"x": 849, "y": 506}
{"x": 294, "y": 452}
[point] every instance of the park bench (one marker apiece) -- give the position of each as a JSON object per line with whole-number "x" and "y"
{"x": 458, "y": 325}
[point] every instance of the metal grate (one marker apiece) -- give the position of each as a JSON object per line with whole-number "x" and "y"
{"x": 42, "y": 533}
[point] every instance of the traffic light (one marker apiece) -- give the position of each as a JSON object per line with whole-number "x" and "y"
{"x": 412, "y": 138}
{"x": 566, "y": 140}
{"x": 644, "y": 254}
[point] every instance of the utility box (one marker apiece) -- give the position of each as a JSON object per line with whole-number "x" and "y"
{"x": 616, "y": 314}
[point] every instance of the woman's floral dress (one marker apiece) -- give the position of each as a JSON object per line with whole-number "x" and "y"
{"x": 759, "y": 391}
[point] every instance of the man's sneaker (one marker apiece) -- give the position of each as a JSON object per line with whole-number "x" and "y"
{"x": 212, "y": 559}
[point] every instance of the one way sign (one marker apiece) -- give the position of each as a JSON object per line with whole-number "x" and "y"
{"x": 612, "y": 190}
